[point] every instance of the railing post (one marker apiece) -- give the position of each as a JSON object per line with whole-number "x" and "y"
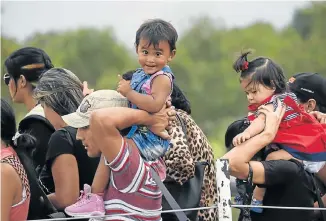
{"x": 223, "y": 190}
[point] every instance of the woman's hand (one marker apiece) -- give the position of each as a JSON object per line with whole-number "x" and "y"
{"x": 272, "y": 119}
{"x": 161, "y": 122}
{"x": 321, "y": 117}
{"x": 86, "y": 90}
{"x": 172, "y": 115}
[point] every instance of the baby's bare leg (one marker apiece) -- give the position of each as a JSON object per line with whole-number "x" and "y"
{"x": 279, "y": 155}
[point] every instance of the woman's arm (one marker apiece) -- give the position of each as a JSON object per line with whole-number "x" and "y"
{"x": 63, "y": 164}
{"x": 123, "y": 117}
{"x": 240, "y": 156}
{"x": 321, "y": 117}
{"x": 255, "y": 127}
{"x": 66, "y": 181}
{"x": 10, "y": 182}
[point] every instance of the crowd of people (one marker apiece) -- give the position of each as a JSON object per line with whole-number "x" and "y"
{"x": 80, "y": 152}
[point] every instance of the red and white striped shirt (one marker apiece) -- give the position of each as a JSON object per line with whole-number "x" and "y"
{"x": 132, "y": 189}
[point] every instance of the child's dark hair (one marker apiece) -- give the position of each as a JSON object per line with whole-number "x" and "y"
{"x": 30, "y": 62}
{"x": 261, "y": 70}
{"x": 156, "y": 30}
{"x": 179, "y": 100}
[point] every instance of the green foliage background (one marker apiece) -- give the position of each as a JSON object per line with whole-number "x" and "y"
{"x": 203, "y": 65}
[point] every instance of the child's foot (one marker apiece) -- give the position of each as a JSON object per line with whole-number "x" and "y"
{"x": 88, "y": 204}
{"x": 256, "y": 202}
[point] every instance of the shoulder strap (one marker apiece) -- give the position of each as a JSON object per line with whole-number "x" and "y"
{"x": 169, "y": 198}
{"x": 184, "y": 127}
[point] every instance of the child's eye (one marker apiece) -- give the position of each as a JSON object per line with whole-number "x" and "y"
{"x": 254, "y": 92}
{"x": 145, "y": 52}
{"x": 158, "y": 54}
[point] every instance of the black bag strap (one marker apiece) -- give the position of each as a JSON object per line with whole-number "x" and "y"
{"x": 320, "y": 201}
{"x": 184, "y": 127}
{"x": 46, "y": 199}
{"x": 169, "y": 198}
{"x": 53, "y": 213}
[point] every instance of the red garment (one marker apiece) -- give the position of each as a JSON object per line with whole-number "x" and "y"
{"x": 301, "y": 134}
{"x": 18, "y": 212}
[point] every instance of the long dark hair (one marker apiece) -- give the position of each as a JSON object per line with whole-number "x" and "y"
{"x": 30, "y": 62}
{"x": 22, "y": 145}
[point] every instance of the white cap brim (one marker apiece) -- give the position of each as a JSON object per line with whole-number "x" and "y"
{"x": 76, "y": 120}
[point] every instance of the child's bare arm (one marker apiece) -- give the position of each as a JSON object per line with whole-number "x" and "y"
{"x": 255, "y": 127}
{"x": 161, "y": 88}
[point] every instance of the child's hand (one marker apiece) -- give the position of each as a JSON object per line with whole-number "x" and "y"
{"x": 123, "y": 86}
{"x": 240, "y": 138}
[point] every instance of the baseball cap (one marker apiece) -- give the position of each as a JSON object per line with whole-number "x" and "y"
{"x": 96, "y": 100}
{"x": 310, "y": 85}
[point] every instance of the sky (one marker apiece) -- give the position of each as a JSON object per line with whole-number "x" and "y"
{"x": 20, "y": 19}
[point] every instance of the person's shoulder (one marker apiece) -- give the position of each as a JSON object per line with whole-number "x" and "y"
{"x": 61, "y": 134}
{"x": 138, "y": 72}
{"x": 284, "y": 95}
{"x": 8, "y": 173}
{"x": 188, "y": 120}
{"x": 60, "y": 143}
{"x": 58, "y": 134}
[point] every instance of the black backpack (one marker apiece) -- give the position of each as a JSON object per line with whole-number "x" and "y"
{"x": 24, "y": 123}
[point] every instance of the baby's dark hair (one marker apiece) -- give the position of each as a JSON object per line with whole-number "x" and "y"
{"x": 156, "y": 30}
{"x": 261, "y": 70}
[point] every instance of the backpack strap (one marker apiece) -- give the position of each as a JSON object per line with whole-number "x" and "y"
{"x": 184, "y": 127}
{"x": 169, "y": 198}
